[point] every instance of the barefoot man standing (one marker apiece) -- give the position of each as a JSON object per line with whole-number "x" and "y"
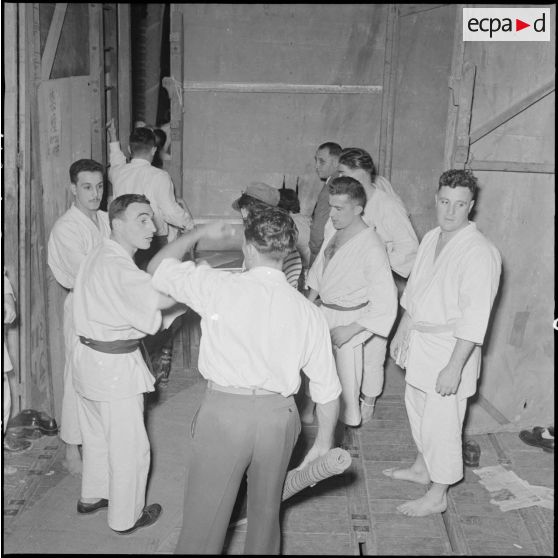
{"x": 447, "y": 300}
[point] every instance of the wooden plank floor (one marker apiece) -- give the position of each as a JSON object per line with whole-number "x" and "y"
{"x": 355, "y": 513}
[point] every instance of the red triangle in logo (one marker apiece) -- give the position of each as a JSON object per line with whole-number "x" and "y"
{"x": 519, "y": 25}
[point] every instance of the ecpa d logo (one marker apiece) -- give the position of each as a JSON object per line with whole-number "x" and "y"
{"x": 506, "y": 24}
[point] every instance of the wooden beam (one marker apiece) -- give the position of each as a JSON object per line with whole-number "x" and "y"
{"x": 97, "y": 83}
{"x": 218, "y": 87}
{"x": 463, "y": 124}
{"x": 412, "y": 9}
{"x": 10, "y": 183}
{"x": 53, "y": 39}
{"x": 511, "y": 166}
{"x": 454, "y": 85}
{"x": 124, "y": 76}
{"x": 388, "y": 91}
{"x": 173, "y": 86}
{"x": 512, "y": 111}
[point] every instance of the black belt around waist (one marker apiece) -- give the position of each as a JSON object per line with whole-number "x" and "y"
{"x": 344, "y": 308}
{"x": 118, "y": 347}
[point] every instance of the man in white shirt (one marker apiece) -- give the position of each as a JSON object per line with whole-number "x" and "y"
{"x": 72, "y": 237}
{"x": 139, "y": 176}
{"x": 114, "y": 307}
{"x": 447, "y": 303}
{"x": 326, "y": 160}
{"x": 258, "y": 333}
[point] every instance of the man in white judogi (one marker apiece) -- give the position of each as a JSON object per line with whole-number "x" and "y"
{"x": 352, "y": 277}
{"x": 448, "y": 300}
{"x": 386, "y": 214}
{"x": 115, "y": 306}
{"x": 72, "y": 237}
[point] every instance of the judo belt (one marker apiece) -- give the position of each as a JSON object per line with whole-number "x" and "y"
{"x": 432, "y": 328}
{"x": 240, "y": 390}
{"x": 119, "y": 347}
{"x": 344, "y": 308}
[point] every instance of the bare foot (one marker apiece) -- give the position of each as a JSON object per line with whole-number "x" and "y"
{"x": 410, "y": 474}
{"x": 72, "y": 461}
{"x": 427, "y": 505}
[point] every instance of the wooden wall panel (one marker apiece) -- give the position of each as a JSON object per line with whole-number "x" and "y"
{"x": 64, "y": 124}
{"x": 233, "y": 138}
{"x": 516, "y": 211}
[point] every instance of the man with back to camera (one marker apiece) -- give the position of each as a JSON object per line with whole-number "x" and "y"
{"x": 72, "y": 237}
{"x": 326, "y": 159}
{"x": 447, "y": 303}
{"x": 258, "y": 332}
{"x": 139, "y": 176}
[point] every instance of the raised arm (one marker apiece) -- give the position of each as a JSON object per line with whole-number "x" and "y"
{"x": 178, "y": 248}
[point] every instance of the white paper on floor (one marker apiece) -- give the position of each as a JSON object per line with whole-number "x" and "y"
{"x": 510, "y": 492}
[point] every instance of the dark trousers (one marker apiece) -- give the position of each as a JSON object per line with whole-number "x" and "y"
{"x": 232, "y": 434}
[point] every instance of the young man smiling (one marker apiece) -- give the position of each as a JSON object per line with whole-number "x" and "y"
{"x": 114, "y": 307}
{"x": 447, "y": 305}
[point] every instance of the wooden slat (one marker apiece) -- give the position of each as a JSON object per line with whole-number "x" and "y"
{"x": 221, "y": 87}
{"x": 511, "y": 166}
{"x": 388, "y": 92}
{"x": 454, "y": 84}
{"x": 172, "y": 85}
{"x": 97, "y": 83}
{"x": 461, "y": 153}
{"x": 10, "y": 175}
{"x": 53, "y": 39}
{"x": 512, "y": 111}
{"x": 124, "y": 97}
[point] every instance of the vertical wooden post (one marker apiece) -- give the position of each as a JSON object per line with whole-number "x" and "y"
{"x": 10, "y": 194}
{"x": 454, "y": 84}
{"x": 388, "y": 91}
{"x": 124, "y": 76}
{"x": 173, "y": 85}
{"x": 110, "y": 60}
{"x": 97, "y": 83}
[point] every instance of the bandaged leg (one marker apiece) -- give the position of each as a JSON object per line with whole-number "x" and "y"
{"x": 115, "y": 457}
{"x": 374, "y": 359}
{"x": 348, "y": 360}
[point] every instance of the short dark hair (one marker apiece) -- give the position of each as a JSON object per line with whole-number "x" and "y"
{"x": 459, "y": 177}
{"x": 141, "y": 141}
{"x": 251, "y": 203}
{"x": 271, "y": 231}
{"x": 332, "y": 148}
{"x": 288, "y": 200}
{"x": 119, "y": 205}
{"x": 84, "y": 165}
{"x": 357, "y": 158}
{"x": 160, "y": 137}
{"x": 349, "y": 186}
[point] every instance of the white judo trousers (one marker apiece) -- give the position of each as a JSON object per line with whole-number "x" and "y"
{"x": 115, "y": 456}
{"x": 69, "y": 425}
{"x": 436, "y": 424}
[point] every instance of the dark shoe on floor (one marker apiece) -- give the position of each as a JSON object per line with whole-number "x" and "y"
{"x": 16, "y": 445}
{"x": 148, "y": 516}
{"x": 83, "y": 507}
{"x": 26, "y": 433}
{"x": 534, "y": 438}
{"x": 471, "y": 453}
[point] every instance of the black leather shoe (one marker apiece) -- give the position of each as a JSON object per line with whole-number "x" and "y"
{"x": 83, "y": 507}
{"x": 534, "y": 438}
{"x": 148, "y": 516}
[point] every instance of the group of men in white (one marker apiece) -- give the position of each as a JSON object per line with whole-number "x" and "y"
{"x": 258, "y": 333}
